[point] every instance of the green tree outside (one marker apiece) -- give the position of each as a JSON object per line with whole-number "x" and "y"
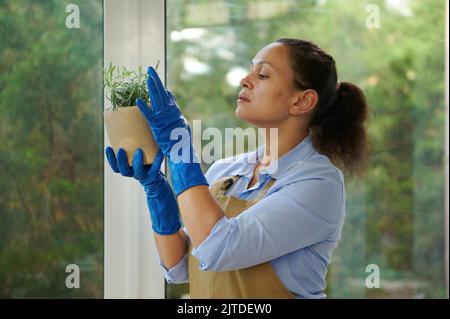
{"x": 51, "y": 156}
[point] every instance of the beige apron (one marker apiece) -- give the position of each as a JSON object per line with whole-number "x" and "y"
{"x": 258, "y": 281}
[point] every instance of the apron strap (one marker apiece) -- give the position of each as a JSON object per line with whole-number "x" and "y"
{"x": 221, "y": 186}
{"x": 262, "y": 193}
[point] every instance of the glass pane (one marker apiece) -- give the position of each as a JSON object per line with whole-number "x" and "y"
{"x": 394, "y": 50}
{"x": 51, "y": 155}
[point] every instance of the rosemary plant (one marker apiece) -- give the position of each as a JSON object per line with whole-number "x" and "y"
{"x": 123, "y": 86}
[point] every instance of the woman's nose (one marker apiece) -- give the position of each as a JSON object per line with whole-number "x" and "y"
{"x": 245, "y": 82}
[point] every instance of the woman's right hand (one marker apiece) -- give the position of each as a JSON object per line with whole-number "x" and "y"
{"x": 145, "y": 174}
{"x": 164, "y": 211}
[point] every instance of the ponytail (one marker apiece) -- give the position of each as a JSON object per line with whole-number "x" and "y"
{"x": 339, "y": 129}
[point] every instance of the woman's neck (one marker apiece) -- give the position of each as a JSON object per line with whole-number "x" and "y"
{"x": 277, "y": 145}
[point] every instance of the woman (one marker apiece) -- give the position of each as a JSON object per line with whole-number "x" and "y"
{"x": 256, "y": 232}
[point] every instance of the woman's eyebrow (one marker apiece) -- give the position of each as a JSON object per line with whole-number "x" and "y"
{"x": 262, "y": 62}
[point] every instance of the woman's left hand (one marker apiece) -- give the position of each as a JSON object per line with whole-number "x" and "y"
{"x": 164, "y": 115}
{"x": 170, "y": 127}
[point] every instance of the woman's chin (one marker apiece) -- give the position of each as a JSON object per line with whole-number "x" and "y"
{"x": 240, "y": 113}
{"x": 245, "y": 116}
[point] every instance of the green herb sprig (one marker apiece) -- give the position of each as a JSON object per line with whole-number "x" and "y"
{"x": 123, "y": 86}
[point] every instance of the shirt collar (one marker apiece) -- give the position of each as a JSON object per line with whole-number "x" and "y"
{"x": 301, "y": 151}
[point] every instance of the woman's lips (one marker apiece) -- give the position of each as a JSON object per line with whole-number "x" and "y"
{"x": 242, "y": 99}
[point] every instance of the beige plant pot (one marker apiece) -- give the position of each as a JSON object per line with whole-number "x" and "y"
{"x": 127, "y": 128}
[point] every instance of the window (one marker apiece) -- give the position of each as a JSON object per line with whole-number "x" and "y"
{"x": 394, "y": 50}
{"x": 51, "y": 155}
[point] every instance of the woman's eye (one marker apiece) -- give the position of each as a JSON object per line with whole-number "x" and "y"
{"x": 262, "y": 76}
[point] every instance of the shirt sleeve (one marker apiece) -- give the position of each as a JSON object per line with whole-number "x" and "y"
{"x": 296, "y": 216}
{"x": 179, "y": 273}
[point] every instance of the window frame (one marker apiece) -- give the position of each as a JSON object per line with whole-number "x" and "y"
{"x": 134, "y": 34}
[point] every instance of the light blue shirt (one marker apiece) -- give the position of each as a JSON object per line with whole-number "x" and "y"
{"x": 295, "y": 226}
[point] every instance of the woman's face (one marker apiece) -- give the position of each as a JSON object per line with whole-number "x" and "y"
{"x": 267, "y": 91}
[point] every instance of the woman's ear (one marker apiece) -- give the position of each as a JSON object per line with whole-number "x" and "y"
{"x": 304, "y": 102}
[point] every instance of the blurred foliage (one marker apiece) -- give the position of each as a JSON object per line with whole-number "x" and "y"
{"x": 51, "y": 156}
{"x": 395, "y": 213}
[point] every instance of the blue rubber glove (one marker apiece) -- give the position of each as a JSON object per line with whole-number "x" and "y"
{"x": 166, "y": 119}
{"x": 161, "y": 201}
